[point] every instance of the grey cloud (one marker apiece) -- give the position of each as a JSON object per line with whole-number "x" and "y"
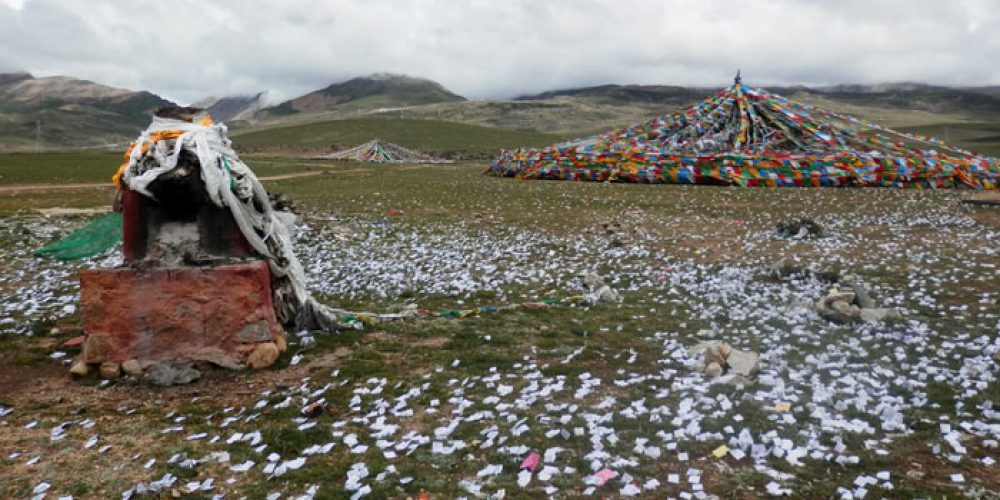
{"x": 188, "y": 49}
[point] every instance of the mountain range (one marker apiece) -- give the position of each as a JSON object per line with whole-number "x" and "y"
{"x": 68, "y": 112}
{"x": 64, "y": 112}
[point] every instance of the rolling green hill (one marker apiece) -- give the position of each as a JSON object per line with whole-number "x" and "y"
{"x": 446, "y": 139}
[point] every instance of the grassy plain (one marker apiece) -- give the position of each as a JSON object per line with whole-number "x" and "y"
{"x": 876, "y": 234}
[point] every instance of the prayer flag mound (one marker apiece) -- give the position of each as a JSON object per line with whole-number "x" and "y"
{"x": 748, "y": 137}
{"x": 379, "y": 151}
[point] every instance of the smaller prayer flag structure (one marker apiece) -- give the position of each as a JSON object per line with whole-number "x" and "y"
{"x": 379, "y": 151}
{"x": 749, "y": 137}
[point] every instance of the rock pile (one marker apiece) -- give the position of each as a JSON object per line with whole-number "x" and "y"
{"x": 785, "y": 269}
{"x": 799, "y": 229}
{"x": 620, "y": 232}
{"x": 599, "y": 292}
{"x": 721, "y": 363}
{"x": 849, "y": 302}
{"x": 281, "y": 202}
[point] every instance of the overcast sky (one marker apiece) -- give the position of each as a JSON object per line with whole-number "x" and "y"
{"x": 187, "y": 49}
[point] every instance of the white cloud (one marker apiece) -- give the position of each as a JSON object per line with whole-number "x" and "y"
{"x": 188, "y": 49}
{"x": 13, "y": 4}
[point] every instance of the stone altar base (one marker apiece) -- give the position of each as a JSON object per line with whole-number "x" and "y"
{"x": 133, "y": 318}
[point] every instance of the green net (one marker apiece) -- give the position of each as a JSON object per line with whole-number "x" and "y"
{"x": 92, "y": 239}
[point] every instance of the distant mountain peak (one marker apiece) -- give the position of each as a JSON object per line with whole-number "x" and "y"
{"x": 69, "y": 112}
{"x": 379, "y": 90}
{"x": 231, "y": 108}
{"x": 387, "y": 75}
{"x": 6, "y": 78}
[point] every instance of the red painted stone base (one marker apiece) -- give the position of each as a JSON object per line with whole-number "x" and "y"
{"x": 212, "y": 314}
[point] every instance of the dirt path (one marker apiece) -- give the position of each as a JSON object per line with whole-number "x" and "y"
{"x": 54, "y": 186}
{"x": 27, "y": 188}
{"x": 983, "y": 199}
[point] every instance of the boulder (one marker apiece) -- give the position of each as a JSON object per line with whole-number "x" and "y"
{"x": 713, "y": 370}
{"x": 206, "y": 313}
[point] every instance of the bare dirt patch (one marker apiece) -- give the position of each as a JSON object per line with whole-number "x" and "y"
{"x": 55, "y": 186}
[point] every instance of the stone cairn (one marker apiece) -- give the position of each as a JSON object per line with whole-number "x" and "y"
{"x": 191, "y": 290}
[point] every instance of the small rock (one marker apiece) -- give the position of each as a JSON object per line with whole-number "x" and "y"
{"x": 255, "y": 332}
{"x": 592, "y": 281}
{"x": 915, "y": 474}
{"x": 606, "y": 295}
{"x": 263, "y": 356}
{"x": 725, "y": 349}
{"x": 876, "y": 315}
{"x": 713, "y": 370}
{"x": 79, "y": 369}
{"x": 840, "y": 295}
{"x": 836, "y": 307}
{"x": 219, "y": 357}
{"x": 110, "y": 370}
{"x": 841, "y": 306}
{"x": 706, "y": 333}
{"x": 745, "y": 363}
{"x": 132, "y": 367}
{"x": 861, "y": 297}
{"x": 716, "y": 353}
{"x": 734, "y": 379}
{"x": 799, "y": 229}
{"x": 314, "y": 410}
{"x": 172, "y": 372}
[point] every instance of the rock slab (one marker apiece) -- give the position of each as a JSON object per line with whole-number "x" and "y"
{"x": 172, "y": 372}
{"x": 213, "y": 314}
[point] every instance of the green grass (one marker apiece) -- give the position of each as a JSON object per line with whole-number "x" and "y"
{"x": 982, "y": 138}
{"x": 430, "y": 136}
{"x": 705, "y": 224}
{"x": 99, "y": 166}
{"x": 58, "y": 167}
